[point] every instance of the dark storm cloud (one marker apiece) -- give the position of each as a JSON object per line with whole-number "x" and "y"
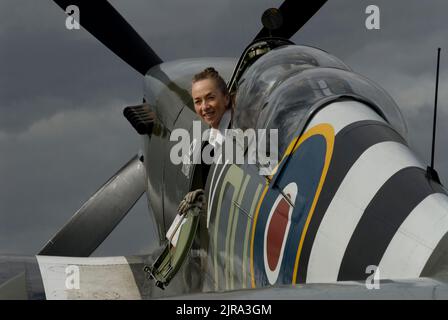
{"x": 401, "y": 57}
{"x": 56, "y": 164}
{"x": 61, "y": 94}
{"x": 47, "y": 68}
{"x": 53, "y": 62}
{"x": 61, "y": 130}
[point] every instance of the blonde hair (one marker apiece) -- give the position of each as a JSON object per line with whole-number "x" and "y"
{"x": 211, "y": 73}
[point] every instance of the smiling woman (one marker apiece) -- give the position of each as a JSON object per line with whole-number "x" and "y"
{"x": 211, "y": 96}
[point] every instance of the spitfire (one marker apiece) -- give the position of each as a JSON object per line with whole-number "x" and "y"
{"x": 347, "y": 192}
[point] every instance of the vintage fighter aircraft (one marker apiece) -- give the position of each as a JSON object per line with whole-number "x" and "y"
{"x": 348, "y": 202}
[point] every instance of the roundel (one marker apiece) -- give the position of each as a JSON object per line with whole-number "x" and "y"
{"x": 276, "y": 232}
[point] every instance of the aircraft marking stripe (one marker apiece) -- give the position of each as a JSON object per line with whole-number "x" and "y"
{"x": 246, "y": 239}
{"x": 328, "y": 132}
{"x": 232, "y": 179}
{"x": 339, "y": 115}
{"x": 244, "y": 217}
{"x": 434, "y": 265}
{"x": 381, "y": 220}
{"x": 252, "y": 272}
{"x": 216, "y": 231}
{"x": 230, "y": 239}
{"x": 416, "y": 239}
{"x": 376, "y": 165}
{"x": 212, "y": 194}
{"x": 227, "y": 240}
{"x": 350, "y": 143}
{"x": 343, "y": 113}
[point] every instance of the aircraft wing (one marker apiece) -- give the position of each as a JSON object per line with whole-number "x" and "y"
{"x": 47, "y": 277}
{"x": 412, "y": 289}
{"x": 74, "y": 278}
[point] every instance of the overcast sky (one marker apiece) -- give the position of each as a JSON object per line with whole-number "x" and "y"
{"x": 62, "y": 133}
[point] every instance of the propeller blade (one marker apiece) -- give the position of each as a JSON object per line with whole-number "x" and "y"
{"x": 96, "y": 219}
{"x": 101, "y": 19}
{"x": 295, "y": 14}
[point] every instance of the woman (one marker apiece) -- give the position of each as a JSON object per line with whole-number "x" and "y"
{"x": 210, "y": 96}
{"x": 212, "y": 103}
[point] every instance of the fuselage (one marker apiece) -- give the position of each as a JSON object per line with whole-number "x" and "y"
{"x": 347, "y": 197}
{"x": 348, "y": 193}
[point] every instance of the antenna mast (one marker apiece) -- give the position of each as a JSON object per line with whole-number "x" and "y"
{"x": 431, "y": 173}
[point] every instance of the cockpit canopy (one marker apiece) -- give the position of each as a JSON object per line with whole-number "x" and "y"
{"x": 284, "y": 88}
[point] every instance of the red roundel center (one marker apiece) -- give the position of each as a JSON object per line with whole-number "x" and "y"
{"x": 276, "y": 233}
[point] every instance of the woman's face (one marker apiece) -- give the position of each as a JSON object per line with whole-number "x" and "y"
{"x": 209, "y": 102}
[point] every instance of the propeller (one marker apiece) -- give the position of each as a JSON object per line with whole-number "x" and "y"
{"x": 285, "y": 21}
{"x": 101, "y": 19}
{"x": 96, "y": 219}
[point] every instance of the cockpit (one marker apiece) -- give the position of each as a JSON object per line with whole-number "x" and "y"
{"x": 284, "y": 87}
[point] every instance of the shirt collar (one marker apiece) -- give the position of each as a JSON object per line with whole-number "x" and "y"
{"x": 217, "y": 135}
